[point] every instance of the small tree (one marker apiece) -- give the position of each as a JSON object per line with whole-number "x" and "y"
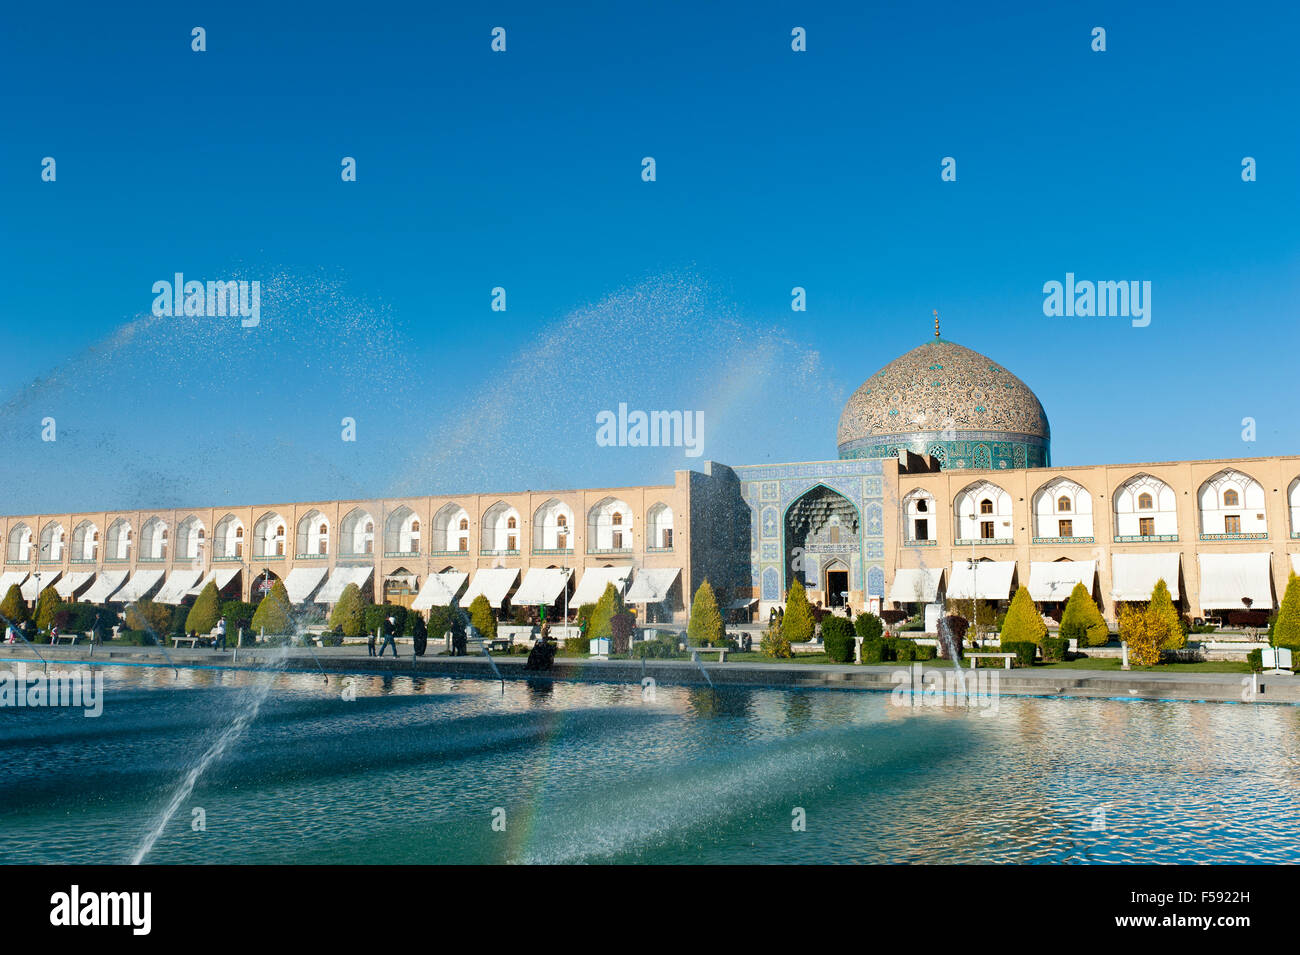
{"x": 148, "y": 616}
{"x": 1286, "y": 629}
{"x": 1165, "y": 621}
{"x": 837, "y": 635}
{"x": 1082, "y": 620}
{"x": 775, "y": 644}
{"x": 482, "y": 617}
{"x": 1023, "y": 623}
{"x": 868, "y": 626}
{"x": 274, "y": 614}
{"x": 797, "y": 626}
{"x": 349, "y": 612}
{"x": 609, "y": 604}
{"x": 620, "y": 627}
{"x": 47, "y": 605}
{"x": 705, "y": 628}
{"x": 13, "y": 607}
{"x": 205, "y": 613}
{"x": 1142, "y": 633}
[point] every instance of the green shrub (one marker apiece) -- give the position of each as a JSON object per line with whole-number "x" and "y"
{"x": 620, "y": 632}
{"x": 774, "y": 643}
{"x": 705, "y": 628}
{"x": 1082, "y": 620}
{"x": 375, "y": 618}
{"x": 584, "y": 616}
{"x": 348, "y": 614}
{"x": 274, "y": 613}
{"x": 797, "y": 626}
{"x": 1255, "y": 659}
{"x": 904, "y": 650}
{"x": 147, "y": 615}
{"x": 482, "y": 617}
{"x": 1023, "y": 623}
{"x": 135, "y": 638}
{"x": 332, "y": 638}
{"x": 13, "y": 607}
{"x": 580, "y": 645}
{"x": 868, "y": 626}
{"x": 238, "y": 613}
{"x": 204, "y": 614}
{"x": 1165, "y": 619}
{"x": 660, "y": 648}
{"x": 838, "y": 637}
{"x": 873, "y": 650}
{"x": 1055, "y": 649}
{"x": 1024, "y": 650}
{"x": 1286, "y": 625}
{"x": 48, "y": 604}
{"x": 180, "y": 613}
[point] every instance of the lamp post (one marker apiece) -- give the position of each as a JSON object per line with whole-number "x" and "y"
{"x": 974, "y": 588}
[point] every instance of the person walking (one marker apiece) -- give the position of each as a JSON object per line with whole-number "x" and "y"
{"x": 390, "y": 630}
{"x": 220, "y": 642}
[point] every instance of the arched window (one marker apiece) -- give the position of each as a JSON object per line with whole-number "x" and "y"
{"x": 1144, "y": 502}
{"x": 464, "y": 524}
{"x": 562, "y": 520}
{"x": 922, "y": 505}
{"x": 1231, "y": 498}
{"x": 618, "y": 519}
{"x": 1062, "y": 503}
{"x": 986, "y": 506}
{"x": 415, "y": 527}
{"x": 511, "y": 523}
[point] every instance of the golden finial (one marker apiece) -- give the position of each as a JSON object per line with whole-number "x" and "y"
{"x": 936, "y": 323}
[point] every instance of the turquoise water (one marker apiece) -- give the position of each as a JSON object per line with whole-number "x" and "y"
{"x": 416, "y": 770}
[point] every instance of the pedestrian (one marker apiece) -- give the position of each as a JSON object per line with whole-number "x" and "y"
{"x": 54, "y": 634}
{"x": 390, "y": 630}
{"x": 220, "y": 642}
{"x": 370, "y": 643}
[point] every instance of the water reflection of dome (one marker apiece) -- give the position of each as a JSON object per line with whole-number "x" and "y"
{"x": 951, "y": 402}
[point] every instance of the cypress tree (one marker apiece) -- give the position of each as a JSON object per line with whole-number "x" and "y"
{"x": 206, "y": 611}
{"x": 705, "y": 627}
{"x": 609, "y": 604}
{"x": 797, "y": 627}
{"x": 1286, "y": 629}
{"x": 1082, "y": 620}
{"x": 1165, "y": 622}
{"x": 47, "y": 605}
{"x": 1023, "y": 623}
{"x": 274, "y": 613}
{"x": 13, "y": 607}
{"x": 349, "y": 612}
{"x": 482, "y": 617}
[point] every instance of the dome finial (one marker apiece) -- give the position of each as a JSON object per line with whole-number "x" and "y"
{"x": 936, "y": 323}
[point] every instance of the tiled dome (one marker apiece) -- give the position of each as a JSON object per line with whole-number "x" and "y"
{"x": 949, "y": 401}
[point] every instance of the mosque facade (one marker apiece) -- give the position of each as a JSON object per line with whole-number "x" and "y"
{"x": 942, "y": 489}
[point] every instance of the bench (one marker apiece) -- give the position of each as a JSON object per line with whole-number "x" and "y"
{"x": 1006, "y": 658}
{"x": 70, "y": 637}
{"x": 193, "y": 641}
{"x": 720, "y": 651}
{"x": 500, "y": 646}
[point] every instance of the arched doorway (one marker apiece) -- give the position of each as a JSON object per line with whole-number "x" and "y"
{"x": 822, "y": 530}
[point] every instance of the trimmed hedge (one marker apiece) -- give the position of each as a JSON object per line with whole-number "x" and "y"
{"x": 873, "y": 650}
{"x": 1055, "y": 649}
{"x": 838, "y": 637}
{"x": 1023, "y": 649}
{"x": 869, "y": 626}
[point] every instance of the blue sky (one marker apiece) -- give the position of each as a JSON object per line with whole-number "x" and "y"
{"x": 522, "y": 170}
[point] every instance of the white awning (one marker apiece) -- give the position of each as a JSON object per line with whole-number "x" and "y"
{"x": 1226, "y": 578}
{"x": 1136, "y": 575}
{"x": 139, "y": 584}
{"x": 438, "y": 590}
{"x": 650, "y": 585}
{"x": 29, "y": 585}
{"x": 178, "y": 584}
{"x": 221, "y": 576}
{"x": 743, "y": 603}
{"x": 302, "y": 581}
{"x": 594, "y": 581}
{"x": 493, "y": 583}
{"x": 542, "y": 586}
{"x": 916, "y": 585}
{"x": 1053, "y": 580}
{"x": 11, "y": 578}
{"x": 69, "y": 584}
{"x": 338, "y": 581}
{"x": 1295, "y": 563}
{"x": 105, "y": 585}
{"x": 991, "y": 578}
